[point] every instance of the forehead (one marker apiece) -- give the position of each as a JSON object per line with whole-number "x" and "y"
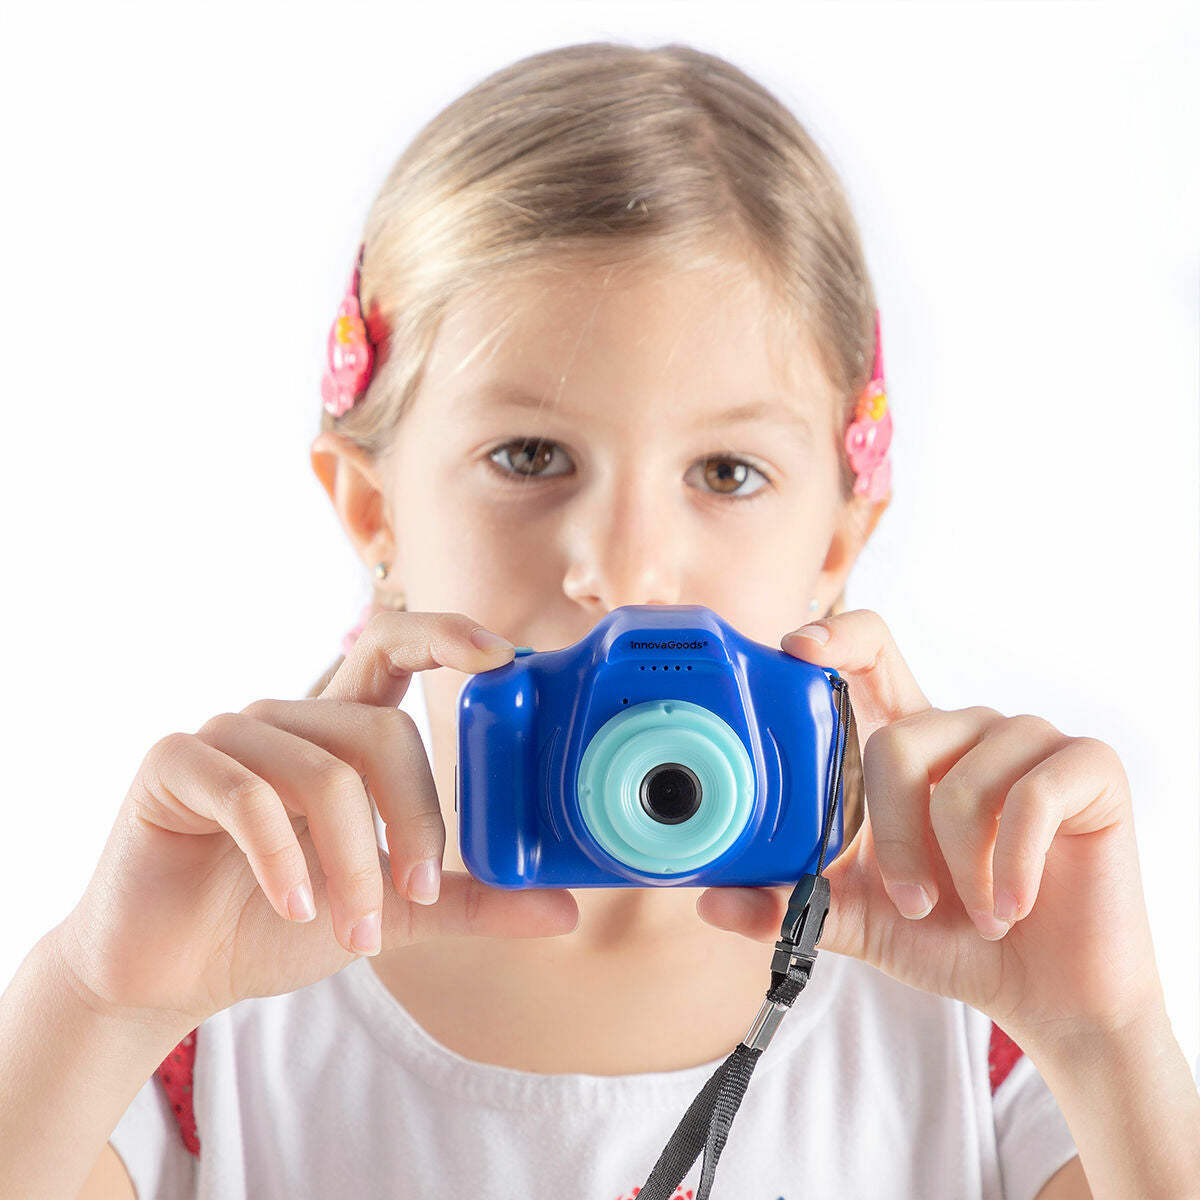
{"x": 713, "y": 327}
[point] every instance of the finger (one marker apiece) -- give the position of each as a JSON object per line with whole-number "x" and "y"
{"x": 756, "y": 913}
{"x": 1080, "y": 788}
{"x": 861, "y": 647}
{"x": 330, "y": 793}
{"x": 856, "y": 908}
{"x": 969, "y": 802}
{"x": 901, "y": 763}
{"x": 385, "y": 745}
{"x": 187, "y": 786}
{"x": 393, "y": 645}
{"x": 469, "y": 908}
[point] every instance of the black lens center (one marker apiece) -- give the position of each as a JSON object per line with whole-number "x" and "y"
{"x": 670, "y": 793}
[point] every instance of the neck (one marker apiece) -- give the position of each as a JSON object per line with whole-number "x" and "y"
{"x": 611, "y": 998}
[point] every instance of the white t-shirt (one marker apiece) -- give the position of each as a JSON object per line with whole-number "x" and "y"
{"x": 869, "y": 1088}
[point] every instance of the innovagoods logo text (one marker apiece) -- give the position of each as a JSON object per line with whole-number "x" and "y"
{"x": 672, "y": 645}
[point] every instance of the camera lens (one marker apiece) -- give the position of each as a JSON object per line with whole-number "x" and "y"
{"x": 670, "y": 793}
{"x": 640, "y": 806}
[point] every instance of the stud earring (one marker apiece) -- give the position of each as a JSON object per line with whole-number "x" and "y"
{"x": 812, "y": 605}
{"x": 381, "y": 570}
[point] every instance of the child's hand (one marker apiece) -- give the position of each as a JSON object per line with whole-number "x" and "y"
{"x": 187, "y": 911}
{"x": 972, "y": 805}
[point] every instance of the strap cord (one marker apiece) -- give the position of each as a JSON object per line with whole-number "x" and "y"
{"x": 705, "y": 1125}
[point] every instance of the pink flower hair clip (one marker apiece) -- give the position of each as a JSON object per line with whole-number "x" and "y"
{"x": 870, "y": 434}
{"x": 351, "y": 354}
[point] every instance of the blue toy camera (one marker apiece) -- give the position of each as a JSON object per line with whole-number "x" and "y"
{"x": 662, "y": 749}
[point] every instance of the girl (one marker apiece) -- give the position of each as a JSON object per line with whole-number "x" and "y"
{"x": 610, "y": 340}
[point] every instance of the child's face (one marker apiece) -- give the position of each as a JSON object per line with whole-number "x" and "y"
{"x": 642, "y": 492}
{"x": 617, "y": 506}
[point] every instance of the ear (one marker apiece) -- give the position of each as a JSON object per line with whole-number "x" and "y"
{"x": 355, "y": 487}
{"x": 856, "y": 521}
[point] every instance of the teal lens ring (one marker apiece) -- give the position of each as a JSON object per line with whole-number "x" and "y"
{"x": 641, "y": 740}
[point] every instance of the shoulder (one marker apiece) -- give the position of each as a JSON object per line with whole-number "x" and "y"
{"x": 271, "y": 1040}
{"x": 914, "y": 1026}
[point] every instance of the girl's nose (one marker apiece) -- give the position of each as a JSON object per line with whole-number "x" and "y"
{"x": 625, "y": 546}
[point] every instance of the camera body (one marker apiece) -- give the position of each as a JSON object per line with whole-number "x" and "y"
{"x": 661, "y": 749}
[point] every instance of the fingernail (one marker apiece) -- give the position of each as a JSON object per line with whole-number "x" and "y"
{"x": 912, "y": 900}
{"x": 1007, "y": 907}
{"x": 988, "y": 926}
{"x": 364, "y": 937}
{"x": 485, "y": 639}
{"x": 818, "y": 633}
{"x": 425, "y": 882}
{"x": 300, "y": 904}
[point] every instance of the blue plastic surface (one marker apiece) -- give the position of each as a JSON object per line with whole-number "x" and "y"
{"x": 552, "y": 748}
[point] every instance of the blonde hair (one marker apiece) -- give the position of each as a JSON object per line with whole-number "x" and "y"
{"x": 608, "y": 154}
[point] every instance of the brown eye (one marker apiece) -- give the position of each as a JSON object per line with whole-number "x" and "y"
{"x": 526, "y": 456}
{"x": 725, "y": 476}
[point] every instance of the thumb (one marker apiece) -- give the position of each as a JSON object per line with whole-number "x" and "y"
{"x": 467, "y": 908}
{"x": 758, "y": 912}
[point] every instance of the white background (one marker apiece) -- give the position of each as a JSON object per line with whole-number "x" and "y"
{"x": 184, "y": 191}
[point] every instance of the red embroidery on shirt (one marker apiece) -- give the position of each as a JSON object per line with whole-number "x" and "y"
{"x": 176, "y": 1075}
{"x": 1003, "y": 1052}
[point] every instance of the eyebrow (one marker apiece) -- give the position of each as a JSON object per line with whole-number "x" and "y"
{"x": 511, "y": 396}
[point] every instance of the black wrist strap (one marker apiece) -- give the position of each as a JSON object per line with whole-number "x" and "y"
{"x": 705, "y": 1125}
